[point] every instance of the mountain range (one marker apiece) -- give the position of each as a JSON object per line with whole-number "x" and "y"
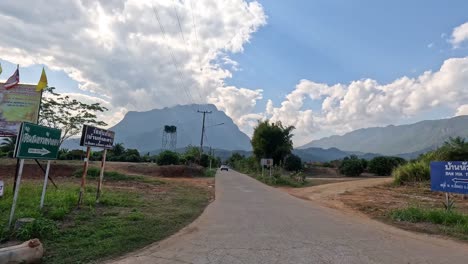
{"x": 144, "y": 130}
{"x": 410, "y": 140}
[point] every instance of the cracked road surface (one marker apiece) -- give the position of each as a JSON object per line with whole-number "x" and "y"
{"x": 250, "y": 222}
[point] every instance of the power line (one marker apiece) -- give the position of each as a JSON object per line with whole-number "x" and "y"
{"x": 184, "y": 39}
{"x": 196, "y": 35}
{"x": 189, "y": 95}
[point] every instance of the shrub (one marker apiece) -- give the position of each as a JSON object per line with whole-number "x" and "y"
{"x": 293, "y": 163}
{"x": 168, "y": 158}
{"x": 352, "y": 166}
{"x": 384, "y": 165}
{"x": 205, "y": 160}
{"x": 412, "y": 172}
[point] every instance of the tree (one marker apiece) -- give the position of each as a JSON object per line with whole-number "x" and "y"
{"x": 8, "y": 146}
{"x": 234, "y": 158}
{"x": 293, "y": 163}
{"x": 272, "y": 140}
{"x": 384, "y": 166}
{"x": 168, "y": 157}
{"x": 118, "y": 149}
{"x": 191, "y": 154}
{"x": 352, "y": 166}
{"x": 132, "y": 155}
{"x": 67, "y": 114}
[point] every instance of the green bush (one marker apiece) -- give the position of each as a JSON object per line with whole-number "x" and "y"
{"x": 209, "y": 173}
{"x": 411, "y": 172}
{"x": 384, "y": 166}
{"x": 293, "y": 163}
{"x": 93, "y": 172}
{"x": 205, "y": 160}
{"x": 168, "y": 158}
{"x": 352, "y": 166}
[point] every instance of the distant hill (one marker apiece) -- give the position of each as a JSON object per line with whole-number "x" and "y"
{"x": 410, "y": 139}
{"x": 144, "y": 130}
{"x": 323, "y": 155}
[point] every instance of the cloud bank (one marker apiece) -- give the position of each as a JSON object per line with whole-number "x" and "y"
{"x": 137, "y": 54}
{"x": 364, "y": 103}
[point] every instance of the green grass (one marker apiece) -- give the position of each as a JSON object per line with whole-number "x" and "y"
{"x": 209, "y": 173}
{"x": 450, "y": 222}
{"x": 124, "y": 220}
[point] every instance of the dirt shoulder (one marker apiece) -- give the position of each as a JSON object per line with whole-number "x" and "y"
{"x": 329, "y": 194}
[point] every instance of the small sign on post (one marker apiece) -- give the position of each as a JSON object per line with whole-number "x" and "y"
{"x": 95, "y": 137}
{"x": 35, "y": 142}
{"x": 266, "y": 163}
{"x": 449, "y": 177}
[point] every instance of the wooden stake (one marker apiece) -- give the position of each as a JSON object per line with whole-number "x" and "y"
{"x": 101, "y": 175}
{"x": 15, "y": 196}
{"x": 83, "y": 177}
{"x": 44, "y": 188}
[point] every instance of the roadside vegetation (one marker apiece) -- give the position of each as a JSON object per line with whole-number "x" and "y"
{"x": 448, "y": 222}
{"x": 271, "y": 140}
{"x": 127, "y": 218}
{"x": 409, "y": 202}
{"x": 419, "y": 170}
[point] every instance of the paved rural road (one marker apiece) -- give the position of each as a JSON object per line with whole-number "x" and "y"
{"x": 251, "y": 223}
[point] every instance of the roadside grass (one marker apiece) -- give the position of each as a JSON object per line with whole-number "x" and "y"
{"x": 278, "y": 179}
{"x": 208, "y": 173}
{"x": 450, "y": 222}
{"x": 127, "y": 218}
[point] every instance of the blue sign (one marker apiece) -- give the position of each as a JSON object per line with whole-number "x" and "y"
{"x": 449, "y": 176}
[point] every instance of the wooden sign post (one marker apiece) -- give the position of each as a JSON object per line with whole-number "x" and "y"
{"x": 100, "y": 138}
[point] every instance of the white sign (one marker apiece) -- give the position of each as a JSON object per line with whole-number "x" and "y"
{"x": 1, "y": 188}
{"x": 266, "y": 162}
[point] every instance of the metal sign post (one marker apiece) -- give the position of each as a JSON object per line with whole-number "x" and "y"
{"x": 44, "y": 188}
{"x": 34, "y": 142}
{"x": 15, "y": 195}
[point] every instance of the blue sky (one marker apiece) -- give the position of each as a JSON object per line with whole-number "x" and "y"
{"x": 341, "y": 41}
{"x": 288, "y": 57}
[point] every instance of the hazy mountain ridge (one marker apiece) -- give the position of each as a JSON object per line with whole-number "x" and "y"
{"x": 396, "y": 140}
{"x": 144, "y": 130}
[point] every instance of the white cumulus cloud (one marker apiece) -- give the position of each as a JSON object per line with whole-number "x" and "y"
{"x": 459, "y": 35}
{"x": 136, "y": 54}
{"x": 364, "y": 103}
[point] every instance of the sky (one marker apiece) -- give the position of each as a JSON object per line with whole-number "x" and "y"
{"x": 326, "y": 67}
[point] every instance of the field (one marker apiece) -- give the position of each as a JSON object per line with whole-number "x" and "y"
{"x": 135, "y": 209}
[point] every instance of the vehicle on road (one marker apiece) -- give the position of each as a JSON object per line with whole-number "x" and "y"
{"x": 224, "y": 167}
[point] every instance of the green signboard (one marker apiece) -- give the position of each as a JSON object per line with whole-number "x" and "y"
{"x": 37, "y": 142}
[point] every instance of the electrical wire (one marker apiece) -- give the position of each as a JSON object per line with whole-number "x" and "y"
{"x": 187, "y": 91}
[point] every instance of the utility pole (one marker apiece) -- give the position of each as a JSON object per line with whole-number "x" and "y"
{"x": 203, "y": 129}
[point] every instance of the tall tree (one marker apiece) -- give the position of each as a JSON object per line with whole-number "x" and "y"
{"x": 272, "y": 140}
{"x": 67, "y": 114}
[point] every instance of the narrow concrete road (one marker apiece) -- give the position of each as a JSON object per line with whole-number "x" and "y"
{"x": 252, "y": 223}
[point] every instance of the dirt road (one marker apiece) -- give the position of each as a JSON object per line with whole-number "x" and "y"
{"x": 250, "y": 222}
